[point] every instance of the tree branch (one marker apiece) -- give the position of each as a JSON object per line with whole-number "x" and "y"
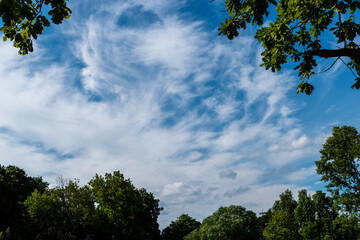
{"x": 299, "y": 24}
{"x": 343, "y": 52}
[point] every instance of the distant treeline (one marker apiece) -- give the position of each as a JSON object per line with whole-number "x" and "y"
{"x": 110, "y": 207}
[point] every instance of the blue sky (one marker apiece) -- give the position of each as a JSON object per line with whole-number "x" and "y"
{"x": 150, "y": 89}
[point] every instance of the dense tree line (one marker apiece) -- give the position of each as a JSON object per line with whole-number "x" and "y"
{"x": 110, "y": 207}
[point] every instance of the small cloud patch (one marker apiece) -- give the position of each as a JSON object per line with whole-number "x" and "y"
{"x": 228, "y": 173}
{"x": 236, "y": 191}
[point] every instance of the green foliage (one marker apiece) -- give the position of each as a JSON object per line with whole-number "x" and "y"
{"x": 64, "y": 212}
{"x": 233, "y": 222}
{"x": 130, "y": 213}
{"x": 23, "y": 20}
{"x": 280, "y": 222}
{"x": 264, "y": 218}
{"x": 5, "y": 235}
{"x": 296, "y": 32}
{"x": 281, "y": 226}
{"x": 339, "y": 167}
{"x": 194, "y": 235}
{"x": 346, "y": 227}
{"x": 15, "y": 187}
{"x": 108, "y": 208}
{"x": 315, "y": 215}
{"x": 286, "y": 203}
{"x": 178, "y": 229}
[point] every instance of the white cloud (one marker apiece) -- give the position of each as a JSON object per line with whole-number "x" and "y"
{"x": 172, "y": 44}
{"x": 178, "y": 188}
{"x": 302, "y": 174}
{"x": 301, "y": 142}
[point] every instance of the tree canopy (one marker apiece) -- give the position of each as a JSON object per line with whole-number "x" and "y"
{"x": 314, "y": 217}
{"x": 178, "y": 229}
{"x": 232, "y": 222}
{"x": 281, "y": 226}
{"x": 130, "y": 213}
{"x": 24, "y": 20}
{"x": 281, "y": 223}
{"x": 299, "y": 33}
{"x": 339, "y": 166}
{"x": 107, "y": 207}
{"x": 15, "y": 187}
{"x": 286, "y": 203}
{"x": 64, "y": 212}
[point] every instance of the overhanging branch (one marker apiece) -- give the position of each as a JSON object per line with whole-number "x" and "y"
{"x": 343, "y": 52}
